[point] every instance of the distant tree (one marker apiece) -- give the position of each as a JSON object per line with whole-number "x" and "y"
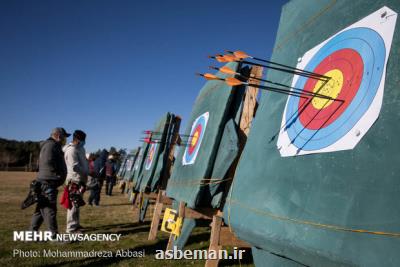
{"x": 18, "y": 153}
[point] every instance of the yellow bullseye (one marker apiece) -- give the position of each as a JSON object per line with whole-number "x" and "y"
{"x": 332, "y": 89}
{"x": 194, "y": 138}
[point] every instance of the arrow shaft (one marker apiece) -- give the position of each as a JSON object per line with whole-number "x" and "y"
{"x": 294, "y": 93}
{"x": 307, "y": 92}
{"x": 300, "y": 73}
{"x": 279, "y": 64}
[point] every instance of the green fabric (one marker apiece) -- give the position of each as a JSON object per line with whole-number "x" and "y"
{"x": 161, "y": 170}
{"x": 151, "y": 178}
{"x": 143, "y": 209}
{"x": 272, "y": 196}
{"x": 147, "y": 174}
{"x": 129, "y": 163}
{"x": 215, "y": 97}
{"x": 138, "y": 167}
{"x": 227, "y": 153}
{"x": 121, "y": 170}
{"x": 265, "y": 258}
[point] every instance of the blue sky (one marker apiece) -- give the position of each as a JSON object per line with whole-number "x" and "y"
{"x": 113, "y": 68}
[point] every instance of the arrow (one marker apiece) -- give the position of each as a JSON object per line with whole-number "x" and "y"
{"x": 287, "y": 69}
{"x": 230, "y": 80}
{"x": 219, "y": 58}
{"x": 210, "y": 76}
{"x": 243, "y": 55}
{"x": 160, "y": 142}
{"x": 302, "y": 94}
{"x": 161, "y": 133}
{"x": 228, "y": 70}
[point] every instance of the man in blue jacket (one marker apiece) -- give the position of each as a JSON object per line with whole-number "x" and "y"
{"x": 52, "y": 174}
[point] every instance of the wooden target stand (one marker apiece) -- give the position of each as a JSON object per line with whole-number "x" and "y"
{"x": 221, "y": 236}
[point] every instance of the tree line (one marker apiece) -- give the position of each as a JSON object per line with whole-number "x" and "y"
{"x": 26, "y": 153}
{"x": 18, "y": 153}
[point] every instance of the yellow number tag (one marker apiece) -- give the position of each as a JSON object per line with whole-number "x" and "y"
{"x": 172, "y": 223}
{"x": 132, "y": 196}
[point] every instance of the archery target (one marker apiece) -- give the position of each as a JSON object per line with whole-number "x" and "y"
{"x": 138, "y": 160}
{"x": 355, "y": 60}
{"x": 129, "y": 164}
{"x": 196, "y": 137}
{"x": 151, "y": 156}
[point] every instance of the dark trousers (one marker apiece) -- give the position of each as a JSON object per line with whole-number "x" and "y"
{"x": 110, "y": 182}
{"x": 46, "y": 211}
{"x": 94, "y": 197}
{"x": 101, "y": 182}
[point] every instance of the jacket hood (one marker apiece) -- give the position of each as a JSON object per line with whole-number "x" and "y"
{"x": 67, "y": 147}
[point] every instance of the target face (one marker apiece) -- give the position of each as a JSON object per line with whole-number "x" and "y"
{"x": 151, "y": 156}
{"x": 196, "y": 136}
{"x": 355, "y": 62}
{"x": 138, "y": 160}
{"x": 129, "y": 164}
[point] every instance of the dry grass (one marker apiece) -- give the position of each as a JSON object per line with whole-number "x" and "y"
{"x": 114, "y": 215}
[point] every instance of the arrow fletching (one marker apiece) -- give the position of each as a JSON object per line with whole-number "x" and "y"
{"x": 233, "y": 81}
{"x": 227, "y": 70}
{"x": 241, "y": 54}
{"x": 230, "y": 58}
{"x": 221, "y": 58}
{"x": 210, "y": 76}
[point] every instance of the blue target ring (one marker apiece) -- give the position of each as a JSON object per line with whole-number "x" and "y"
{"x": 370, "y": 46}
{"x": 196, "y": 136}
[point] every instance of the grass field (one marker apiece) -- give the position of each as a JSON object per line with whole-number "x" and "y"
{"x": 114, "y": 215}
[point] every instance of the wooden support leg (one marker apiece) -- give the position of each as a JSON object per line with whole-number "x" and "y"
{"x": 214, "y": 239}
{"x": 156, "y": 217}
{"x": 134, "y": 199}
{"x": 138, "y": 206}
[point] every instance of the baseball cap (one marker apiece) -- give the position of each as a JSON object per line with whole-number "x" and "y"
{"x": 80, "y": 135}
{"x": 61, "y": 131}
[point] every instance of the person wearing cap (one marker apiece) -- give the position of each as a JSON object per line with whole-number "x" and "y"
{"x": 78, "y": 169}
{"x": 52, "y": 173}
{"x": 110, "y": 174}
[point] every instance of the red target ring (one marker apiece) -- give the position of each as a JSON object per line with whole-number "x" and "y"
{"x": 194, "y": 140}
{"x": 349, "y": 63}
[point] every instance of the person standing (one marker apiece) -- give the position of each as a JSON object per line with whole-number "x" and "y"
{"x": 110, "y": 175}
{"x": 77, "y": 167}
{"x": 99, "y": 168}
{"x": 93, "y": 184}
{"x": 52, "y": 174}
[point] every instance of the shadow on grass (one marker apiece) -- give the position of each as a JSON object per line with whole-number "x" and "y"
{"x": 116, "y": 204}
{"x": 149, "y": 249}
{"x": 118, "y": 225}
{"x": 198, "y": 238}
{"x": 247, "y": 259}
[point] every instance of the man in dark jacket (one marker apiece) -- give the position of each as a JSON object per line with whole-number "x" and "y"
{"x": 52, "y": 174}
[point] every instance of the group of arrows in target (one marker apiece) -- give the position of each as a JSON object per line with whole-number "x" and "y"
{"x": 237, "y": 79}
{"x": 240, "y": 79}
{"x": 153, "y": 137}
{"x": 272, "y": 86}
